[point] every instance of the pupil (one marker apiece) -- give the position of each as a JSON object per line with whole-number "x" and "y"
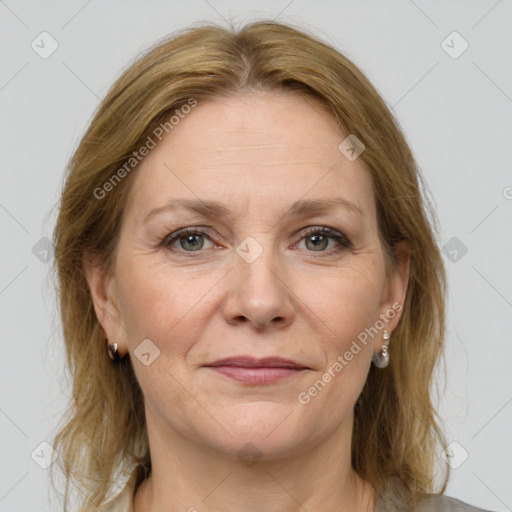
{"x": 193, "y": 241}
{"x": 317, "y": 240}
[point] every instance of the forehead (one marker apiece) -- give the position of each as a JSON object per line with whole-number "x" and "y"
{"x": 270, "y": 125}
{"x": 252, "y": 149}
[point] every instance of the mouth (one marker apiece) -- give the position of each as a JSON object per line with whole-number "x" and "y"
{"x": 252, "y": 371}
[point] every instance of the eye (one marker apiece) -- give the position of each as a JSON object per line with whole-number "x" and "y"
{"x": 317, "y": 239}
{"x": 189, "y": 239}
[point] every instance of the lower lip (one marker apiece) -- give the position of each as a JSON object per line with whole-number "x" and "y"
{"x": 256, "y": 375}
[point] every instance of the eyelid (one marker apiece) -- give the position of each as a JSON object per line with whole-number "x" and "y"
{"x": 192, "y": 230}
{"x": 343, "y": 241}
{"x": 330, "y": 232}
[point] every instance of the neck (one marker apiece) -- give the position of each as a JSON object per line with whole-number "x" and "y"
{"x": 193, "y": 477}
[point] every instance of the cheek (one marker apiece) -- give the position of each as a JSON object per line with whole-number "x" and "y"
{"x": 158, "y": 305}
{"x": 349, "y": 309}
{"x": 349, "y": 304}
{"x": 347, "y": 300}
{"x": 159, "y": 299}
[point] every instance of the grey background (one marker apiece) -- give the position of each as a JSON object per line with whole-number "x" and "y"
{"x": 456, "y": 115}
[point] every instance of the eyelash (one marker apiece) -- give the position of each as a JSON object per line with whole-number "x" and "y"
{"x": 330, "y": 233}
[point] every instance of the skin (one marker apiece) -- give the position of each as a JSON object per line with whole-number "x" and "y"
{"x": 257, "y": 153}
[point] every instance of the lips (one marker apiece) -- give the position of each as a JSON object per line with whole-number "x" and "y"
{"x": 252, "y": 362}
{"x": 253, "y": 371}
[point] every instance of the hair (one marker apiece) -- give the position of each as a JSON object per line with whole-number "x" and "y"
{"x": 397, "y": 433}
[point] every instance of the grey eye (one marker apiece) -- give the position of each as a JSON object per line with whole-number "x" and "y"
{"x": 318, "y": 242}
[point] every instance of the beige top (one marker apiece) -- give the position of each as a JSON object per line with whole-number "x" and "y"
{"x": 430, "y": 503}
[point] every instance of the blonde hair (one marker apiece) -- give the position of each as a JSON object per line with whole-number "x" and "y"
{"x": 396, "y": 431}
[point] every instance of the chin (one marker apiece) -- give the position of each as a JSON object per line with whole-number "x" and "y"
{"x": 260, "y": 430}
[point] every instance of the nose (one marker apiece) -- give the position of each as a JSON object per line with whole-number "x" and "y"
{"x": 259, "y": 293}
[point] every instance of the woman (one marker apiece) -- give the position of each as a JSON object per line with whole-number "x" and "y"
{"x": 242, "y": 232}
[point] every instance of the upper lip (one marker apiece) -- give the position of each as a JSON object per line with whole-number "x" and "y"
{"x": 253, "y": 362}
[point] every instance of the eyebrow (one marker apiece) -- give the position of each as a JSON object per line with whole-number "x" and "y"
{"x": 210, "y": 208}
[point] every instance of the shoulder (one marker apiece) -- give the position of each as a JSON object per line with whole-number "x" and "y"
{"x": 398, "y": 502}
{"x": 442, "y": 503}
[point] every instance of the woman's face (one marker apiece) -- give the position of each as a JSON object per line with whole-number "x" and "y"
{"x": 282, "y": 260}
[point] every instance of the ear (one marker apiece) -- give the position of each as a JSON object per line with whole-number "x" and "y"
{"x": 103, "y": 293}
{"x": 393, "y": 295}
